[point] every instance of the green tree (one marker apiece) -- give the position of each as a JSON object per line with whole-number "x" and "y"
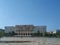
{"x": 2, "y": 34}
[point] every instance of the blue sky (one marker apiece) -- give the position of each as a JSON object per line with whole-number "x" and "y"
{"x": 36, "y": 12}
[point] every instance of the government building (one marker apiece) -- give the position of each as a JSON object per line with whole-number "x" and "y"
{"x": 25, "y": 30}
